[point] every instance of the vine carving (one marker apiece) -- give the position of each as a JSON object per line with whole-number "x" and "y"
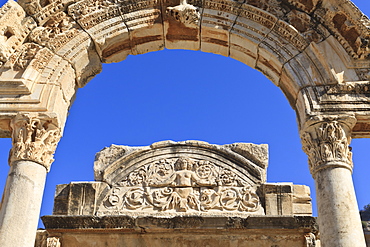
{"x": 181, "y": 185}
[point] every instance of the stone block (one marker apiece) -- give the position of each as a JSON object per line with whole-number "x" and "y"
{"x": 302, "y": 200}
{"x": 278, "y": 198}
{"x": 105, "y": 26}
{"x": 77, "y": 198}
{"x": 286, "y": 199}
{"x": 181, "y": 24}
{"x": 262, "y": 231}
{"x": 144, "y": 23}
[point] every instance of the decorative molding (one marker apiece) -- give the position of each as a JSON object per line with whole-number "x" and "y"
{"x": 184, "y": 13}
{"x": 20, "y": 60}
{"x": 181, "y": 185}
{"x": 31, "y": 7}
{"x": 326, "y": 142}
{"x": 56, "y": 32}
{"x": 33, "y": 139}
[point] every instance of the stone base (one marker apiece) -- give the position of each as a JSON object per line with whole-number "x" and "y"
{"x": 262, "y": 231}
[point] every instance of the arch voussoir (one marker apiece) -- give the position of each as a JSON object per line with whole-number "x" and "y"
{"x": 181, "y": 24}
{"x": 103, "y": 22}
{"x": 216, "y": 26}
{"x": 143, "y": 20}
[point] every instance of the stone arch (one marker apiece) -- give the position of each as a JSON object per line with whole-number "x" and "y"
{"x": 316, "y": 52}
{"x": 288, "y": 42}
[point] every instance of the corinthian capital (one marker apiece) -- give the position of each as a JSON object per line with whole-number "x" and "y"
{"x": 326, "y": 142}
{"x": 34, "y": 139}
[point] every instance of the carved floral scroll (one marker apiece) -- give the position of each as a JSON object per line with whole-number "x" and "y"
{"x": 181, "y": 185}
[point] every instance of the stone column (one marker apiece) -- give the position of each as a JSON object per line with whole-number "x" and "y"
{"x": 326, "y": 141}
{"x": 34, "y": 143}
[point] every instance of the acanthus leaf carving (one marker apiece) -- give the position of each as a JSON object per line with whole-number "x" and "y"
{"x": 181, "y": 185}
{"x": 33, "y": 139}
{"x": 327, "y": 143}
{"x": 184, "y": 13}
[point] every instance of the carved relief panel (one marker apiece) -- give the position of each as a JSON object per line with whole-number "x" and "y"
{"x": 181, "y": 185}
{"x": 190, "y": 178}
{"x": 181, "y": 179}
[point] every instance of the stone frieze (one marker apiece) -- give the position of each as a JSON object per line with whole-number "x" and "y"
{"x": 182, "y": 185}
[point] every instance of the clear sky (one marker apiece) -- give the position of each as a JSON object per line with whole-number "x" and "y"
{"x": 184, "y": 95}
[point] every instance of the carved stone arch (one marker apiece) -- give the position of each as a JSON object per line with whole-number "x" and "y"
{"x": 287, "y": 41}
{"x": 317, "y": 52}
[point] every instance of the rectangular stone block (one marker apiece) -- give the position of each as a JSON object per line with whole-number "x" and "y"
{"x": 286, "y": 199}
{"x": 78, "y": 198}
{"x": 302, "y": 200}
{"x": 278, "y": 198}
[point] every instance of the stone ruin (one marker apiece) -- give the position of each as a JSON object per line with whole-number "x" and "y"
{"x": 170, "y": 186}
{"x": 316, "y": 52}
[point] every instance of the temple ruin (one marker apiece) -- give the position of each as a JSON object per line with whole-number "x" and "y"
{"x": 316, "y": 52}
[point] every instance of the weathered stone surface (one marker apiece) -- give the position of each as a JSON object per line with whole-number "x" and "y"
{"x": 326, "y": 141}
{"x": 180, "y": 231}
{"x": 14, "y": 28}
{"x": 181, "y": 24}
{"x": 182, "y": 178}
{"x": 170, "y": 178}
{"x": 286, "y": 199}
{"x": 317, "y": 52}
{"x": 21, "y": 203}
{"x": 77, "y": 198}
{"x": 54, "y": 222}
{"x": 297, "y": 44}
{"x": 34, "y": 139}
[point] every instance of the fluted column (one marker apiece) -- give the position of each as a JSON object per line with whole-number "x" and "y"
{"x": 34, "y": 141}
{"x": 326, "y": 141}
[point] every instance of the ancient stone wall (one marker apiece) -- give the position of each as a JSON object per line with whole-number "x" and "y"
{"x": 211, "y": 193}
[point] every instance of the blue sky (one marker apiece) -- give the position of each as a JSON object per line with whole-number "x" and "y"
{"x": 184, "y": 95}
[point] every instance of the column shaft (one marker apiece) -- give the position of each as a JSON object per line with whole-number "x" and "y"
{"x": 339, "y": 219}
{"x": 20, "y": 210}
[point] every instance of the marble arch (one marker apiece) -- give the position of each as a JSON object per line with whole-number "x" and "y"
{"x": 317, "y": 52}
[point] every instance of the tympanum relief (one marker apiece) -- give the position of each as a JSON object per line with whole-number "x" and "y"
{"x": 181, "y": 185}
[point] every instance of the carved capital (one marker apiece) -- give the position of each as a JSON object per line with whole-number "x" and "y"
{"x": 326, "y": 142}
{"x": 34, "y": 139}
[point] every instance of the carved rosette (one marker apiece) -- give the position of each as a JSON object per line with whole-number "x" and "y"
{"x": 34, "y": 139}
{"x": 185, "y": 13}
{"x": 326, "y": 142}
{"x": 181, "y": 185}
